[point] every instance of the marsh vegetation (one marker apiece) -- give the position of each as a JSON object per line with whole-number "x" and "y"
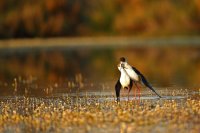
{"x": 85, "y": 112}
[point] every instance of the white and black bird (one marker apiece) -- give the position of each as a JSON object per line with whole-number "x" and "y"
{"x": 130, "y": 75}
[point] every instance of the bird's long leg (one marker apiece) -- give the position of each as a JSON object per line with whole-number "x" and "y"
{"x": 135, "y": 94}
{"x": 138, "y": 90}
{"x": 129, "y": 89}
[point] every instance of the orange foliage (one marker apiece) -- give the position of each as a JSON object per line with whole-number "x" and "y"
{"x": 47, "y": 18}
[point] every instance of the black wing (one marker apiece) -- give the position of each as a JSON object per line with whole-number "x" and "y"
{"x": 145, "y": 82}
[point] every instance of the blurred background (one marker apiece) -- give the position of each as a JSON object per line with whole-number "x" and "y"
{"x": 52, "y": 18}
{"x": 59, "y": 41}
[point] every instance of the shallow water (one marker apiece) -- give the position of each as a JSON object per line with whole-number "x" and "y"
{"x": 162, "y": 66}
{"x": 108, "y": 94}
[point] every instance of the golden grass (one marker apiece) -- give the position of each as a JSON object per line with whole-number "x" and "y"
{"x": 92, "y": 114}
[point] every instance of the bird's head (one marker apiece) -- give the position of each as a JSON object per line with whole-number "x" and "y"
{"x": 120, "y": 65}
{"x": 122, "y": 59}
{"x": 123, "y": 62}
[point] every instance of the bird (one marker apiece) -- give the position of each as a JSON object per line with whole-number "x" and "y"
{"x": 124, "y": 82}
{"x": 129, "y": 76}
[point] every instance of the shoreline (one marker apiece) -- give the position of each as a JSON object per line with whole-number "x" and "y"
{"x": 100, "y": 42}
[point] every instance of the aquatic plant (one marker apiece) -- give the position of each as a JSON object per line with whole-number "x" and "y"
{"x": 98, "y": 113}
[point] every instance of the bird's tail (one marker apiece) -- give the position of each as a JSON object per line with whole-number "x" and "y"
{"x": 146, "y": 83}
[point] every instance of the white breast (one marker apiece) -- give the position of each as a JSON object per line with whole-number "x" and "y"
{"x": 132, "y": 74}
{"x": 124, "y": 78}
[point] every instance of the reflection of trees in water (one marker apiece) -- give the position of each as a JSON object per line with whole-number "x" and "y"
{"x": 163, "y": 65}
